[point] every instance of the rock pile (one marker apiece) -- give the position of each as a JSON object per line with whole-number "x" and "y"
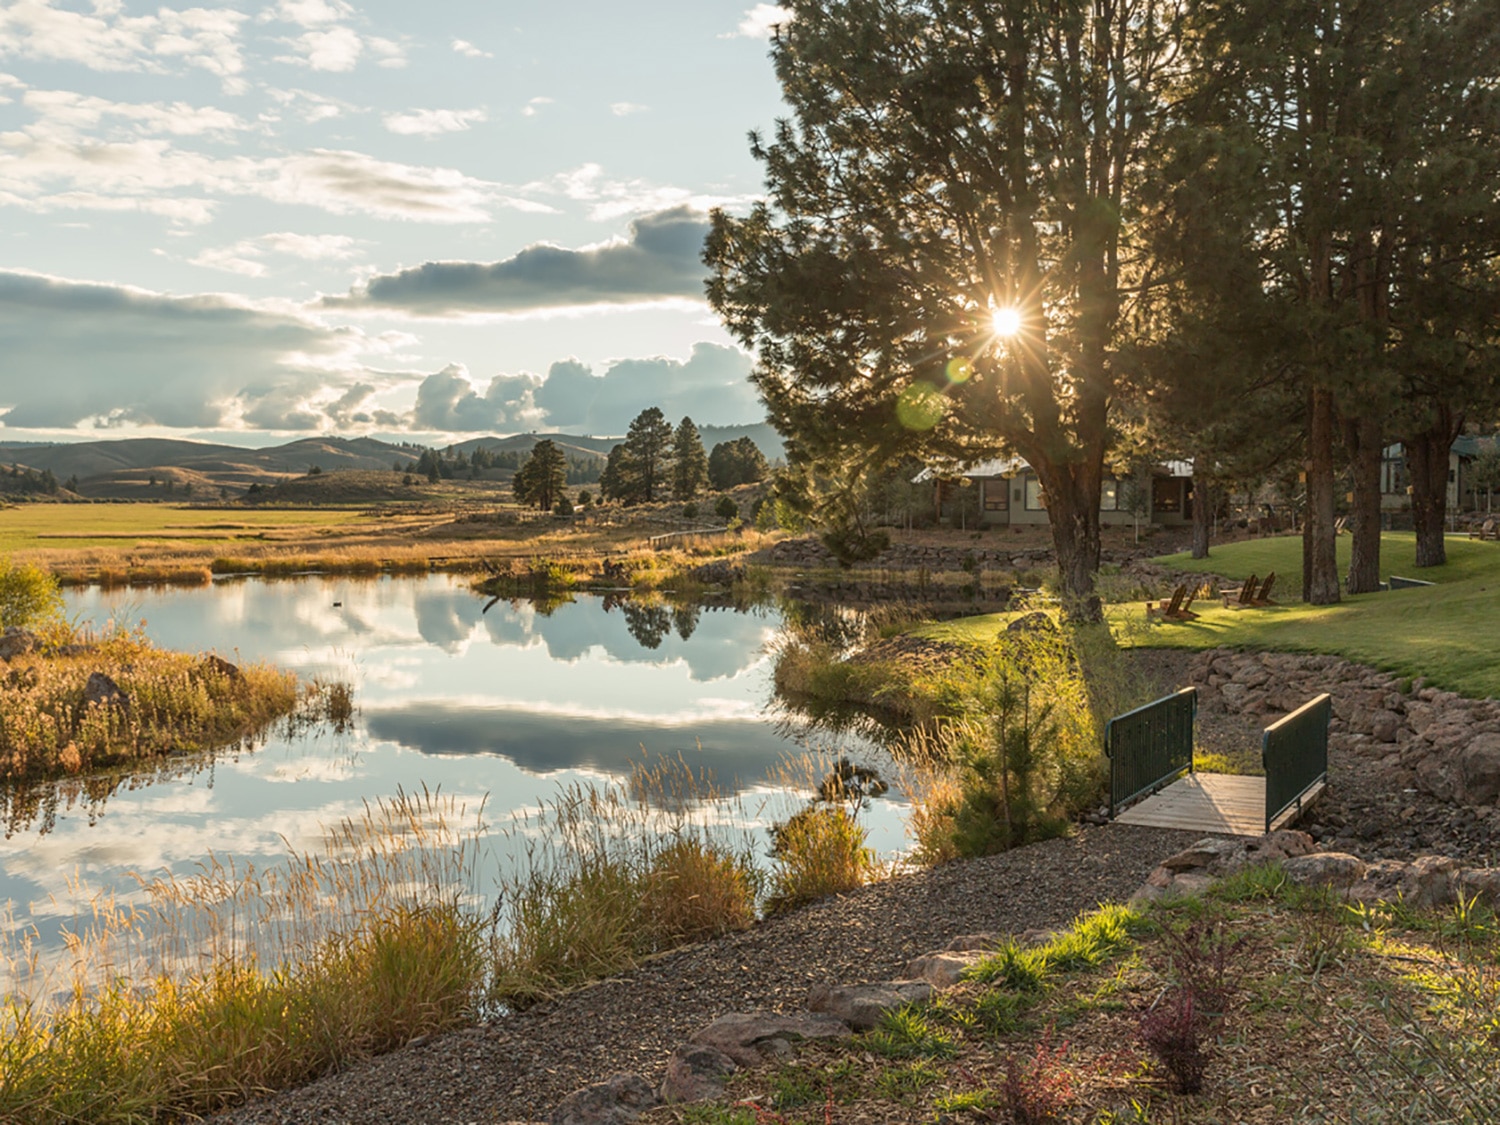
{"x": 1422, "y": 883}
{"x": 16, "y": 641}
{"x": 1445, "y": 745}
{"x": 699, "y": 1069}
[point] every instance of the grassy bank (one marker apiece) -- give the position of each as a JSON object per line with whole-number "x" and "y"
{"x": 1444, "y": 632}
{"x": 1259, "y": 1002}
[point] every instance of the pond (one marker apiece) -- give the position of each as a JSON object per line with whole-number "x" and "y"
{"x": 502, "y": 704}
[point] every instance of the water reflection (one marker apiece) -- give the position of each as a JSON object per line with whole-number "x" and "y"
{"x": 499, "y": 706}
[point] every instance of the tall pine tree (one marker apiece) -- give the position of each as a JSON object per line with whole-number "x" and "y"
{"x": 689, "y": 462}
{"x": 544, "y": 476}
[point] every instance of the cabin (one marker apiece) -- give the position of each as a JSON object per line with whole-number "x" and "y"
{"x": 1463, "y": 494}
{"x": 1006, "y": 492}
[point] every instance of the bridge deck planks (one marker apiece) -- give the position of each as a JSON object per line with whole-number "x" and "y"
{"x": 1211, "y": 802}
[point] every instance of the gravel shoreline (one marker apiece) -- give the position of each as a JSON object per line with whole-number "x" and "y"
{"x": 521, "y": 1067}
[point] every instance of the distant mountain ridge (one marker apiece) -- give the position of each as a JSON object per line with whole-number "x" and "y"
{"x": 138, "y": 467}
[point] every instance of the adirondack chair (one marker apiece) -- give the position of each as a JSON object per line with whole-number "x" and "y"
{"x": 1263, "y": 597}
{"x": 1169, "y": 608}
{"x": 1244, "y": 596}
{"x": 1185, "y": 610}
{"x": 1486, "y": 530}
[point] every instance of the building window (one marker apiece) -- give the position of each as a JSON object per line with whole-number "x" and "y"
{"x": 1109, "y": 495}
{"x": 1166, "y": 494}
{"x": 1035, "y": 501}
{"x": 996, "y": 495}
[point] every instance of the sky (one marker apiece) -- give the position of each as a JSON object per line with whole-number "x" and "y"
{"x": 266, "y": 219}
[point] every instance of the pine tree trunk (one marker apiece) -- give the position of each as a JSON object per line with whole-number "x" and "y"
{"x": 1073, "y": 512}
{"x": 1364, "y": 556}
{"x": 1427, "y": 461}
{"x": 1203, "y": 510}
{"x": 1319, "y": 557}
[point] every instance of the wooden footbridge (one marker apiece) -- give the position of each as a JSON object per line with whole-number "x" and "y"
{"x": 1153, "y": 782}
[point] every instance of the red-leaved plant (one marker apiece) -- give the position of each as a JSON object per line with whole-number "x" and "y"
{"x": 1037, "y": 1092}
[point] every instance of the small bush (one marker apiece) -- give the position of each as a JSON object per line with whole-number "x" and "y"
{"x": 1037, "y": 1092}
{"x": 818, "y": 851}
{"x": 694, "y": 890}
{"x": 1193, "y": 1009}
{"x": 690, "y": 510}
{"x": 1173, "y": 1032}
{"x": 726, "y": 509}
{"x": 29, "y": 596}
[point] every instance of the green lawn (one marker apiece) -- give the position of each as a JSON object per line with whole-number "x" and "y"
{"x": 31, "y": 526}
{"x": 1449, "y": 633}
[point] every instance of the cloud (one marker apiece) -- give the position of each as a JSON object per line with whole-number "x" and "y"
{"x": 84, "y": 353}
{"x": 625, "y": 109}
{"x": 468, "y": 50}
{"x": 107, "y": 39}
{"x": 311, "y": 13}
{"x": 611, "y": 199}
{"x": 430, "y": 122}
{"x": 760, "y": 22}
{"x": 712, "y": 386}
{"x": 64, "y": 111}
{"x": 533, "y": 107}
{"x": 336, "y": 49}
{"x": 660, "y": 259}
{"x": 448, "y": 402}
{"x": 246, "y": 257}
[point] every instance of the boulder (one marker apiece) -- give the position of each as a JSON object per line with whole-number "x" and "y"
{"x": 750, "y": 1037}
{"x": 1439, "y": 776}
{"x": 1385, "y": 726}
{"x": 862, "y": 1005}
{"x": 1338, "y": 870}
{"x": 618, "y": 1101}
{"x": 1482, "y": 883}
{"x": 1425, "y": 882}
{"x": 16, "y": 641}
{"x": 1479, "y": 767}
{"x": 696, "y": 1074}
{"x": 101, "y": 691}
{"x": 218, "y": 666}
{"x": 943, "y": 970}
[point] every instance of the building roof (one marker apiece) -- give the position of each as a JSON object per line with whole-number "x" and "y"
{"x": 1010, "y": 466}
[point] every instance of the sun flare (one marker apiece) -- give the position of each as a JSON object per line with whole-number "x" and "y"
{"x": 1006, "y": 321}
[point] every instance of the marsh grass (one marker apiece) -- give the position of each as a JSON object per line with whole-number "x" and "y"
{"x": 610, "y": 874}
{"x": 174, "y": 703}
{"x": 229, "y": 984}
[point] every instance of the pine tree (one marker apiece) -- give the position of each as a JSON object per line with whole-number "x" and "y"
{"x": 544, "y": 476}
{"x": 689, "y": 462}
{"x": 645, "y": 465}
{"x": 736, "y": 462}
{"x": 942, "y": 262}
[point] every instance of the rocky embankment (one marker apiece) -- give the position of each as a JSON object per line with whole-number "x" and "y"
{"x": 1412, "y": 767}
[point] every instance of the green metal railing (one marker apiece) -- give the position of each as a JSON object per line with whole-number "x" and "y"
{"x": 1294, "y": 751}
{"x": 1150, "y": 746}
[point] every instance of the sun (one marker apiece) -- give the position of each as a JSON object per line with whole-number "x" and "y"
{"x": 1006, "y": 321}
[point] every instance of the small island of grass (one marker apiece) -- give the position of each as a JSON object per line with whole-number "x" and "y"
{"x": 75, "y": 700}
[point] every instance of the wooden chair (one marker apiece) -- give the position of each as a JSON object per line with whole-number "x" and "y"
{"x": 1244, "y": 596}
{"x": 1185, "y": 610}
{"x": 1169, "y": 608}
{"x": 1485, "y": 531}
{"x": 1263, "y": 598}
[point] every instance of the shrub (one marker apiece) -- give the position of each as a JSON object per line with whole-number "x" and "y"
{"x": 690, "y": 510}
{"x": 1037, "y": 1092}
{"x": 29, "y": 596}
{"x": 1020, "y": 750}
{"x": 1194, "y": 1008}
{"x": 726, "y": 508}
{"x": 818, "y": 851}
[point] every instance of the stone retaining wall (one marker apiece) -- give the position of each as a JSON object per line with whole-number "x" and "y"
{"x": 1446, "y": 745}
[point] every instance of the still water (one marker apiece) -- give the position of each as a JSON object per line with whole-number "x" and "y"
{"x": 504, "y": 705}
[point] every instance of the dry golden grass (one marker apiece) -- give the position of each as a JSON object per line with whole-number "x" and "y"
{"x": 173, "y": 703}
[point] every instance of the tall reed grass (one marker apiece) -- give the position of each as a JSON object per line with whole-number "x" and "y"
{"x": 231, "y": 984}
{"x": 611, "y": 874}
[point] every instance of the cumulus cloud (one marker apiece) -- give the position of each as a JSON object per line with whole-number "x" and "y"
{"x": 334, "y": 49}
{"x": 760, "y": 22}
{"x": 430, "y": 122}
{"x": 659, "y": 259}
{"x": 247, "y": 257}
{"x": 107, "y": 39}
{"x": 712, "y": 387}
{"x": 468, "y": 50}
{"x": 449, "y": 402}
{"x": 80, "y": 352}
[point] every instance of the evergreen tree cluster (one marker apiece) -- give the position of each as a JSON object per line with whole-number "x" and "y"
{"x": 23, "y": 480}
{"x": 656, "y": 462}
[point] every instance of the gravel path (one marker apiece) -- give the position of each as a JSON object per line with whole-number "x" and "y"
{"x": 523, "y": 1065}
